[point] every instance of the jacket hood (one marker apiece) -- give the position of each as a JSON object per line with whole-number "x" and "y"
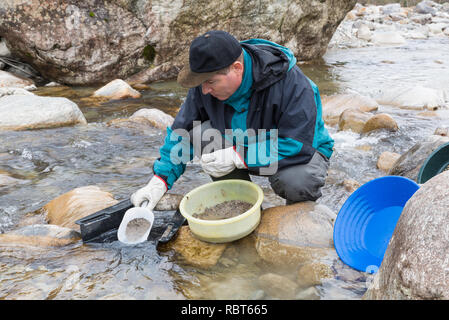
{"x": 270, "y": 61}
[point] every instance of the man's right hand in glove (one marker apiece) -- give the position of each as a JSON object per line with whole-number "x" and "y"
{"x": 152, "y": 193}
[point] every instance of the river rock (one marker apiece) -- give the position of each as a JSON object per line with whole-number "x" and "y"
{"x": 143, "y": 118}
{"x": 437, "y": 28}
{"x": 21, "y": 112}
{"x": 234, "y": 285}
{"x": 416, "y": 265}
{"x": 391, "y": 25}
{"x": 417, "y": 34}
{"x": 387, "y": 38}
{"x": 423, "y": 8}
{"x": 335, "y": 176}
{"x": 7, "y": 180}
{"x": 442, "y": 131}
{"x": 117, "y": 89}
{"x": 391, "y": 8}
{"x": 416, "y": 98}
{"x": 295, "y": 234}
{"x": 195, "y": 252}
{"x": 360, "y": 10}
{"x": 140, "y": 124}
{"x": 6, "y": 91}
{"x": 364, "y": 33}
{"x": 380, "y": 121}
{"x": 445, "y": 6}
{"x": 87, "y": 42}
{"x": 350, "y": 185}
{"x": 154, "y": 117}
{"x": 386, "y": 160}
{"x": 32, "y": 218}
{"x": 409, "y": 163}
{"x": 10, "y": 80}
{"x": 76, "y": 204}
{"x": 312, "y": 274}
{"x": 400, "y": 16}
{"x": 53, "y": 84}
{"x": 333, "y": 106}
{"x": 310, "y": 293}
{"x": 277, "y": 286}
{"x": 421, "y": 18}
{"x": 353, "y": 119}
{"x": 41, "y": 235}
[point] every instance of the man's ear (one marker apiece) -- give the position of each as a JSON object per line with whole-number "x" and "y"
{"x": 238, "y": 67}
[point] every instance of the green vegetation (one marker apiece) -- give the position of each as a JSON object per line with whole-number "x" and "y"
{"x": 149, "y": 53}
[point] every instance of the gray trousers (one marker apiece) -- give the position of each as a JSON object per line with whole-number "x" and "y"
{"x": 295, "y": 183}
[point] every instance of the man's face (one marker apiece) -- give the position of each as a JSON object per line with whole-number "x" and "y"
{"x": 222, "y": 86}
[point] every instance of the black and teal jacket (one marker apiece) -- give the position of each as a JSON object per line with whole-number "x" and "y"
{"x": 274, "y": 95}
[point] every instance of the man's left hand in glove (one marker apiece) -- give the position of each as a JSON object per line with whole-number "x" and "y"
{"x": 222, "y": 162}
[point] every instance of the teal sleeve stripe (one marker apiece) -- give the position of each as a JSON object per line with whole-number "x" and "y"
{"x": 175, "y": 153}
{"x": 322, "y": 141}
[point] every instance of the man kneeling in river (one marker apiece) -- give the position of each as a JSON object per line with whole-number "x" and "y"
{"x": 253, "y": 95}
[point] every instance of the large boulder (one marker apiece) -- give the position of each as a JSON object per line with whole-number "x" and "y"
{"x": 74, "y": 42}
{"x": 295, "y": 234}
{"x": 416, "y": 264}
{"x": 23, "y": 112}
{"x": 83, "y": 42}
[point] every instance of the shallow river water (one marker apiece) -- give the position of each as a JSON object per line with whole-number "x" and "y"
{"x": 51, "y": 162}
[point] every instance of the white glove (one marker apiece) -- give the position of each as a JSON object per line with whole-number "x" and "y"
{"x": 221, "y": 162}
{"x": 152, "y": 193}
